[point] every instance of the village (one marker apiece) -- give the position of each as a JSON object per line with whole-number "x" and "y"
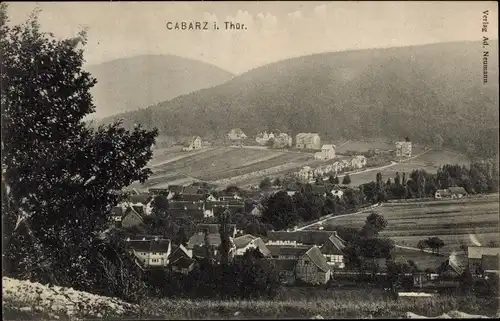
{"x": 313, "y": 257}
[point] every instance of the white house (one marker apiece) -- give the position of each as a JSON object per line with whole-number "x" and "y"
{"x": 151, "y": 252}
{"x": 194, "y": 143}
{"x": 327, "y": 152}
{"x": 403, "y": 149}
{"x": 358, "y": 161}
{"x": 337, "y": 192}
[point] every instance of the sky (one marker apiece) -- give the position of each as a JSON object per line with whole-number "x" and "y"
{"x": 274, "y": 30}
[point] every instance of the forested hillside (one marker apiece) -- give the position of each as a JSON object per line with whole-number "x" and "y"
{"x": 418, "y": 91}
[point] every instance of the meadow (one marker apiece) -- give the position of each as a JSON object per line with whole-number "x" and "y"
{"x": 329, "y": 303}
{"x": 471, "y": 221}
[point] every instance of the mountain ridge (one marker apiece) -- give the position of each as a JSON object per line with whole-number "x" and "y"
{"x": 131, "y": 83}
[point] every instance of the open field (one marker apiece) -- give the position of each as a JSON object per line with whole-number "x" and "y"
{"x": 452, "y": 221}
{"x": 223, "y": 165}
{"x": 247, "y": 166}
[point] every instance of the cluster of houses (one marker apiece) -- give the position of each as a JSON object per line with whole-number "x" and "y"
{"x": 194, "y": 201}
{"x": 308, "y": 173}
{"x": 281, "y": 140}
{"x": 308, "y": 256}
{"x": 307, "y": 141}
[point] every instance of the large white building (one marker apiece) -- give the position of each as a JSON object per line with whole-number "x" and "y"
{"x": 403, "y": 149}
{"x": 308, "y": 141}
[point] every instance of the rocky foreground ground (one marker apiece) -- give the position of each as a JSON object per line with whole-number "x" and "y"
{"x": 31, "y": 300}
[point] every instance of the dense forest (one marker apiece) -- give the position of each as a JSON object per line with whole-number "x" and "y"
{"x": 429, "y": 93}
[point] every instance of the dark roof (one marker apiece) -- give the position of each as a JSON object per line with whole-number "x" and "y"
{"x": 457, "y": 190}
{"x": 149, "y": 245}
{"x": 318, "y": 259}
{"x": 139, "y": 210}
{"x": 185, "y": 205}
{"x": 318, "y": 189}
{"x": 146, "y": 237}
{"x": 191, "y": 190}
{"x": 117, "y": 211}
{"x": 296, "y": 251}
{"x": 183, "y": 262}
{"x": 284, "y": 264}
{"x": 303, "y": 237}
{"x": 178, "y": 252}
{"x": 333, "y": 245}
{"x": 448, "y": 264}
{"x": 244, "y": 240}
{"x": 192, "y": 197}
{"x": 194, "y": 213}
{"x": 157, "y": 191}
{"x": 143, "y": 198}
{"x": 213, "y": 228}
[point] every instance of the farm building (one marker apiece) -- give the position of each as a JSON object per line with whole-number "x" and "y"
{"x": 246, "y": 242}
{"x": 180, "y": 260}
{"x": 305, "y": 237}
{"x": 483, "y": 258}
{"x": 308, "y": 141}
{"x": 194, "y": 143}
{"x": 403, "y": 149}
{"x": 186, "y": 208}
{"x": 327, "y": 152}
{"x": 452, "y": 192}
{"x": 333, "y": 251}
{"x": 312, "y": 267}
{"x": 151, "y": 253}
{"x": 236, "y": 134}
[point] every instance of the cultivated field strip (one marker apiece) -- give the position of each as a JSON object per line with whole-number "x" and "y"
{"x": 411, "y": 222}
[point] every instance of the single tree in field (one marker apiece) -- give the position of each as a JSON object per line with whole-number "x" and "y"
{"x": 422, "y": 245}
{"x": 346, "y": 180}
{"x": 61, "y": 176}
{"x": 435, "y": 243}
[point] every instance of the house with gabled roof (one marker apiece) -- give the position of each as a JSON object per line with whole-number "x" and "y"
{"x": 483, "y": 258}
{"x": 214, "y": 229}
{"x": 236, "y": 134}
{"x": 333, "y": 251}
{"x": 287, "y": 252}
{"x": 181, "y": 260}
{"x": 327, "y": 152}
{"x": 304, "y": 237}
{"x": 312, "y": 267}
{"x": 194, "y": 143}
{"x": 246, "y": 242}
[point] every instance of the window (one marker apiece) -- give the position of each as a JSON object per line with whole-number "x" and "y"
{"x": 306, "y": 262}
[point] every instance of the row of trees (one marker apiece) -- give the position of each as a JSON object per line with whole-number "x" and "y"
{"x": 477, "y": 178}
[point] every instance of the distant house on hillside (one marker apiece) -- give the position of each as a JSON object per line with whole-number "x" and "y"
{"x": 327, "y": 152}
{"x": 308, "y": 141}
{"x": 236, "y": 134}
{"x": 194, "y": 143}
{"x": 358, "y": 161}
{"x": 403, "y": 149}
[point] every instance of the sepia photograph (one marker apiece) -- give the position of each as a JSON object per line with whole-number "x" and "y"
{"x": 234, "y": 160}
